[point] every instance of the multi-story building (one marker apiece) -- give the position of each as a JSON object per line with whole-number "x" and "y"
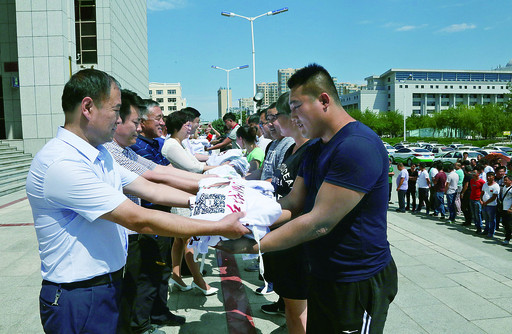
{"x": 246, "y": 104}
{"x": 168, "y": 95}
{"x": 282, "y": 79}
{"x": 223, "y": 101}
{"x": 270, "y": 92}
{"x": 346, "y": 87}
{"x": 423, "y": 92}
{"x": 44, "y": 42}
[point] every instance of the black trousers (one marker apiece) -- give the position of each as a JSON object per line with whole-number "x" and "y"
{"x": 466, "y": 208}
{"x": 411, "y": 193}
{"x": 423, "y": 199}
{"x": 145, "y": 280}
{"x": 355, "y": 307}
{"x": 432, "y": 199}
{"x": 507, "y": 223}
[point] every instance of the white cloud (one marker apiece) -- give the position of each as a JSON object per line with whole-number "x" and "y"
{"x": 406, "y": 28}
{"x": 159, "y": 5}
{"x": 458, "y": 27}
{"x": 409, "y": 27}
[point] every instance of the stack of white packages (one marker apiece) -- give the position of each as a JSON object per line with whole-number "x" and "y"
{"x": 233, "y": 158}
{"x": 218, "y": 197}
{"x": 225, "y": 171}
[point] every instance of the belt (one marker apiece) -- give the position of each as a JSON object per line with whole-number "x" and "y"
{"x": 95, "y": 281}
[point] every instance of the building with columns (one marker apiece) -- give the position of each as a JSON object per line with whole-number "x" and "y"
{"x": 424, "y": 92}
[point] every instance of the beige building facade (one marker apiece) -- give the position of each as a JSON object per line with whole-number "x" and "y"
{"x": 168, "y": 95}
{"x": 44, "y": 42}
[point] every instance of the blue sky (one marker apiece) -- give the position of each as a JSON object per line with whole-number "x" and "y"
{"x": 351, "y": 39}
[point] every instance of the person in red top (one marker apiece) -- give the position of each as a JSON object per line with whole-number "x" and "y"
{"x": 439, "y": 187}
{"x": 476, "y": 185}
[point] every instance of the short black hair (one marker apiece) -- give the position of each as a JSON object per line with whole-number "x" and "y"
{"x": 282, "y": 104}
{"x": 230, "y": 116}
{"x": 175, "y": 121}
{"x": 315, "y": 80}
{"x": 501, "y": 168}
{"x": 449, "y": 167}
{"x": 128, "y": 99}
{"x": 247, "y": 133}
{"x": 490, "y": 173}
{"x": 192, "y": 111}
{"x": 255, "y": 119}
{"x": 89, "y": 82}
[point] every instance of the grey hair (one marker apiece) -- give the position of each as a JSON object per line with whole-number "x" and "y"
{"x": 144, "y": 108}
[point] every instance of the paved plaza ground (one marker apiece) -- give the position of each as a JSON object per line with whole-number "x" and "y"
{"x": 450, "y": 281}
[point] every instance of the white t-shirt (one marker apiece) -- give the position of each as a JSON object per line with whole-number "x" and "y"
{"x": 422, "y": 179}
{"x": 453, "y": 180}
{"x": 488, "y": 191}
{"x": 433, "y": 172}
{"x": 507, "y": 200}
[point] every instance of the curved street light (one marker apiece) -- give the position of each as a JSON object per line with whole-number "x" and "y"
{"x": 227, "y": 71}
{"x": 251, "y": 19}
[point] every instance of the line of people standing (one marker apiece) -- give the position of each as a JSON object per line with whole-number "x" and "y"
{"x": 478, "y": 191}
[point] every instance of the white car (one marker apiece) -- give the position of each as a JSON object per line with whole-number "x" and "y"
{"x": 410, "y": 155}
{"x": 452, "y": 157}
{"x": 390, "y": 149}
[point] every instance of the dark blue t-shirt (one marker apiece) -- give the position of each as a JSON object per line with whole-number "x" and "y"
{"x": 357, "y": 248}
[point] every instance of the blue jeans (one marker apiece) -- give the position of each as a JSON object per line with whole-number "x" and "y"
{"x": 476, "y": 213}
{"x": 489, "y": 213}
{"x": 450, "y": 198}
{"x": 440, "y": 204}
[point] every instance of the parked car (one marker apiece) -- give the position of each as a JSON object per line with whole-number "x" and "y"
{"x": 452, "y": 157}
{"x": 440, "y": 150}
{"x": 498, "y": 148}
{"x": 469, "y": 148}
{"x": 455, "y": 145}
{"x": 410, "y": 155}
{"x": 390, "y": 149}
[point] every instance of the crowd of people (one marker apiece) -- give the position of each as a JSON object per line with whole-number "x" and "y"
{"x": 476, "y": 190}
{"x": 111, "y": 193}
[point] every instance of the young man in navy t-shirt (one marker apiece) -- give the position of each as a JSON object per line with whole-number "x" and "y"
{"x": 337, "y": 207}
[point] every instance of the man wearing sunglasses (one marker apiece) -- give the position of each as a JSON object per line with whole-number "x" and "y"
{"x": 277, "y": 149}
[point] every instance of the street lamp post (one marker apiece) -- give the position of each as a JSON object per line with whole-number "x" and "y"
{"x": 403, "y": 81}
{"x": 227, "y": 71}
{"x": 251, "y": 19}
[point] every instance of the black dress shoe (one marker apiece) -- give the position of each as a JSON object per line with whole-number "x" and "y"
{"x": 172, "y": 320}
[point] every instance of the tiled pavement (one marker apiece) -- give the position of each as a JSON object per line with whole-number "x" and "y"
{"x": 450, "y": 281}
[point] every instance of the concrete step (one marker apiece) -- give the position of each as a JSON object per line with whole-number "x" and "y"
{"x": 8, "y": 155}
{"x": 5, "y": 147}
{"x": 14, "y": 167}
{"x": 13, "y": 179}
{"x": 12, "y": 187}
{"x": 15, "y": 161}
{"x": 21, "y": 169}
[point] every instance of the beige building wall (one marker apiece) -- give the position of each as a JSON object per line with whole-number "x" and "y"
{"x": 47, "y": 57}
{"x": 168, "y": 95}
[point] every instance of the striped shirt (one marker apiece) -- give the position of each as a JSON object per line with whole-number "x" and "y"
{"x": 130, "y": 160}
{"x": 149, "y": 149}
